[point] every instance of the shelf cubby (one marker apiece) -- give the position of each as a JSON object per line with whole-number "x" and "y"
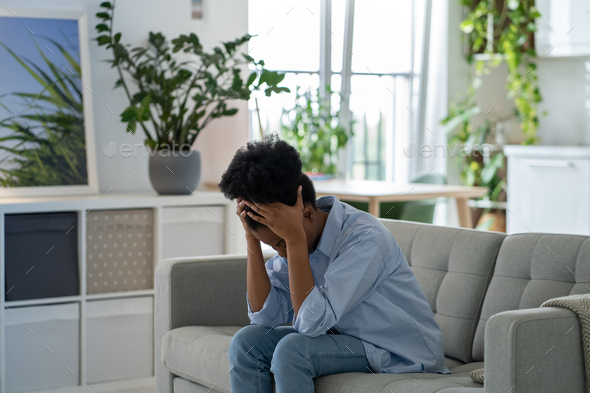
{"x": 42, "y": 345}
{"x": 119, "y": 250}
{"x": 119, "y": 338}
{"x": 41, "y": 255}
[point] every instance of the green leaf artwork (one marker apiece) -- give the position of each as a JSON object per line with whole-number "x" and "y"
{"x": 42, "y": 138}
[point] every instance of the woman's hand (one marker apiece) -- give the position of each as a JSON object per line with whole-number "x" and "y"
{"x": 284, "y": 220}
{"x": 242, "y": 214}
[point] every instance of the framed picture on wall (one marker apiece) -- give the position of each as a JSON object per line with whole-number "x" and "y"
{"x": 46, "y": 125}
{"x": 197, "y": 9}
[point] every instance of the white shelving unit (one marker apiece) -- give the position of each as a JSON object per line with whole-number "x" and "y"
{"x": 223, "y": 228}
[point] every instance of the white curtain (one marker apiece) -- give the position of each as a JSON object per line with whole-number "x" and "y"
{"x": 435, "y": 109}
{"x": 436, "y": 95}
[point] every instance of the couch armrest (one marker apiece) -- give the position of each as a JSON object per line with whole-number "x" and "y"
{"x": 534, "y": 350}
{"x": 207, "y": 291}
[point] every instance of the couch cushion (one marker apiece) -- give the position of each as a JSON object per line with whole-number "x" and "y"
{"x": 532, "y": 268}
{"x": 199, "y": 354}
{"x": 453, "y": 267}
{"x": 344, "y": 383}
{"x": 452, "y": 363}
{"x": 398, "y": 383}
{"x": 181, "y": 385}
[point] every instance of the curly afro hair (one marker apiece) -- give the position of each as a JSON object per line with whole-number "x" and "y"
{"x": 267, "y": 171}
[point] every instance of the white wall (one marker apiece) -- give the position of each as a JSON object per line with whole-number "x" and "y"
{"x": 228, "y": 19}
{"x": 563, "y": 83}
{"x": 224, "y": 20}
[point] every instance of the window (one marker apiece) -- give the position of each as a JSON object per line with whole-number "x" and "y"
{"x": 365, "y": 51}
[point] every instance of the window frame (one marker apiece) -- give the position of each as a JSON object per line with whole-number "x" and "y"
{"x": 398, "y": 167}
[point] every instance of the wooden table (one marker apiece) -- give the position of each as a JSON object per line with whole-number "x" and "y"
{"x": 374, "y": 192}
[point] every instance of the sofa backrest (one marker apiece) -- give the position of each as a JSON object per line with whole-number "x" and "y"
{"x": 533, "y": 268}
{"x": 453, "y": 267}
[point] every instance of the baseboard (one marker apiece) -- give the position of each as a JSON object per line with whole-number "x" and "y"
{"x": 104, "y": 386}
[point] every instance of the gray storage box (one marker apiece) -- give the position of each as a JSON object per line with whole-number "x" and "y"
{"x": 41, "y": 255}
{"x": 42, "y": 347}
{"x": 119, "y": 339}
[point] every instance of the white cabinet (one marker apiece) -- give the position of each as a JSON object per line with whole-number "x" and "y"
{"x": 563, "y": 29}
{"x": 548, "y": 189}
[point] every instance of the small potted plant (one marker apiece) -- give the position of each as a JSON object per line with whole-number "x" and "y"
{"x": 314, "y": 129}
{"x": 173, "y": 100}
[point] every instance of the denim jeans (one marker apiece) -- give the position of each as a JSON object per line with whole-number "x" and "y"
{"x": 294, "y": 359}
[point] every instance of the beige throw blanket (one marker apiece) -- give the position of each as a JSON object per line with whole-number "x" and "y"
{"x": 580, "y": 304}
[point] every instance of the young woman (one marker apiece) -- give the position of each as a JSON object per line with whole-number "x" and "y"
{"x": 338, "y": 276}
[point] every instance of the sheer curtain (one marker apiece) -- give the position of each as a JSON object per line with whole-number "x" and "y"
{"x": 434, "y": 105}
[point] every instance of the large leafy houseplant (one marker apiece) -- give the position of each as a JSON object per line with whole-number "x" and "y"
{"x": 173, "y": 100}
{"x": 313, "y": 127}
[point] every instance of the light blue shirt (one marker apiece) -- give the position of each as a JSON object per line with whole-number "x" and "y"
{"x": 365, "y": 288}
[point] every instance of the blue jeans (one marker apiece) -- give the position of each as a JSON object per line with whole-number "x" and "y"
{"x": 294, "y": 359}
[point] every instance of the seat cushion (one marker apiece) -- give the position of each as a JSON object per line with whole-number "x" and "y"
{"x": 199, "y": 354}
{"x": 398, "y": 383}
{"x": 533, "y": 268}
{"x": 454, "y": 267}
{"x": 452, "y": 363}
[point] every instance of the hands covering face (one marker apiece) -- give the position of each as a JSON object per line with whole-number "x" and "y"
{"x": 284, "y": 220}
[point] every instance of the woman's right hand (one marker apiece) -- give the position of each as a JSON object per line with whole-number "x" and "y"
{"x": 242, "y": 214}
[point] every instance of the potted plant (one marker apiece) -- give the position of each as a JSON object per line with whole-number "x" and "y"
{"x": 315, "y": 130}
{"x": 173, "y": 100}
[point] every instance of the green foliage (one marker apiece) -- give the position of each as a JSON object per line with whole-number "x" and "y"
{"x": 474, "y": 171}
{"x": 180, "y": 98}
{"x": 314, "y": 129}
{"x": 47, "y": 143}
{"x": 512, "y": 26}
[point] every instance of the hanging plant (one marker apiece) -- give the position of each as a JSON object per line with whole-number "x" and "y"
{"x": 495, "y": 31}
{"x": 503, "y": 30}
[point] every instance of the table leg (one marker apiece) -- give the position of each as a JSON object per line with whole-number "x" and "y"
{"x": 374, "y": 206}
{"x": 465, "y": 219}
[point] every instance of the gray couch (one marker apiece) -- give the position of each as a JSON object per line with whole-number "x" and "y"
{"x": 485, "y": 289}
